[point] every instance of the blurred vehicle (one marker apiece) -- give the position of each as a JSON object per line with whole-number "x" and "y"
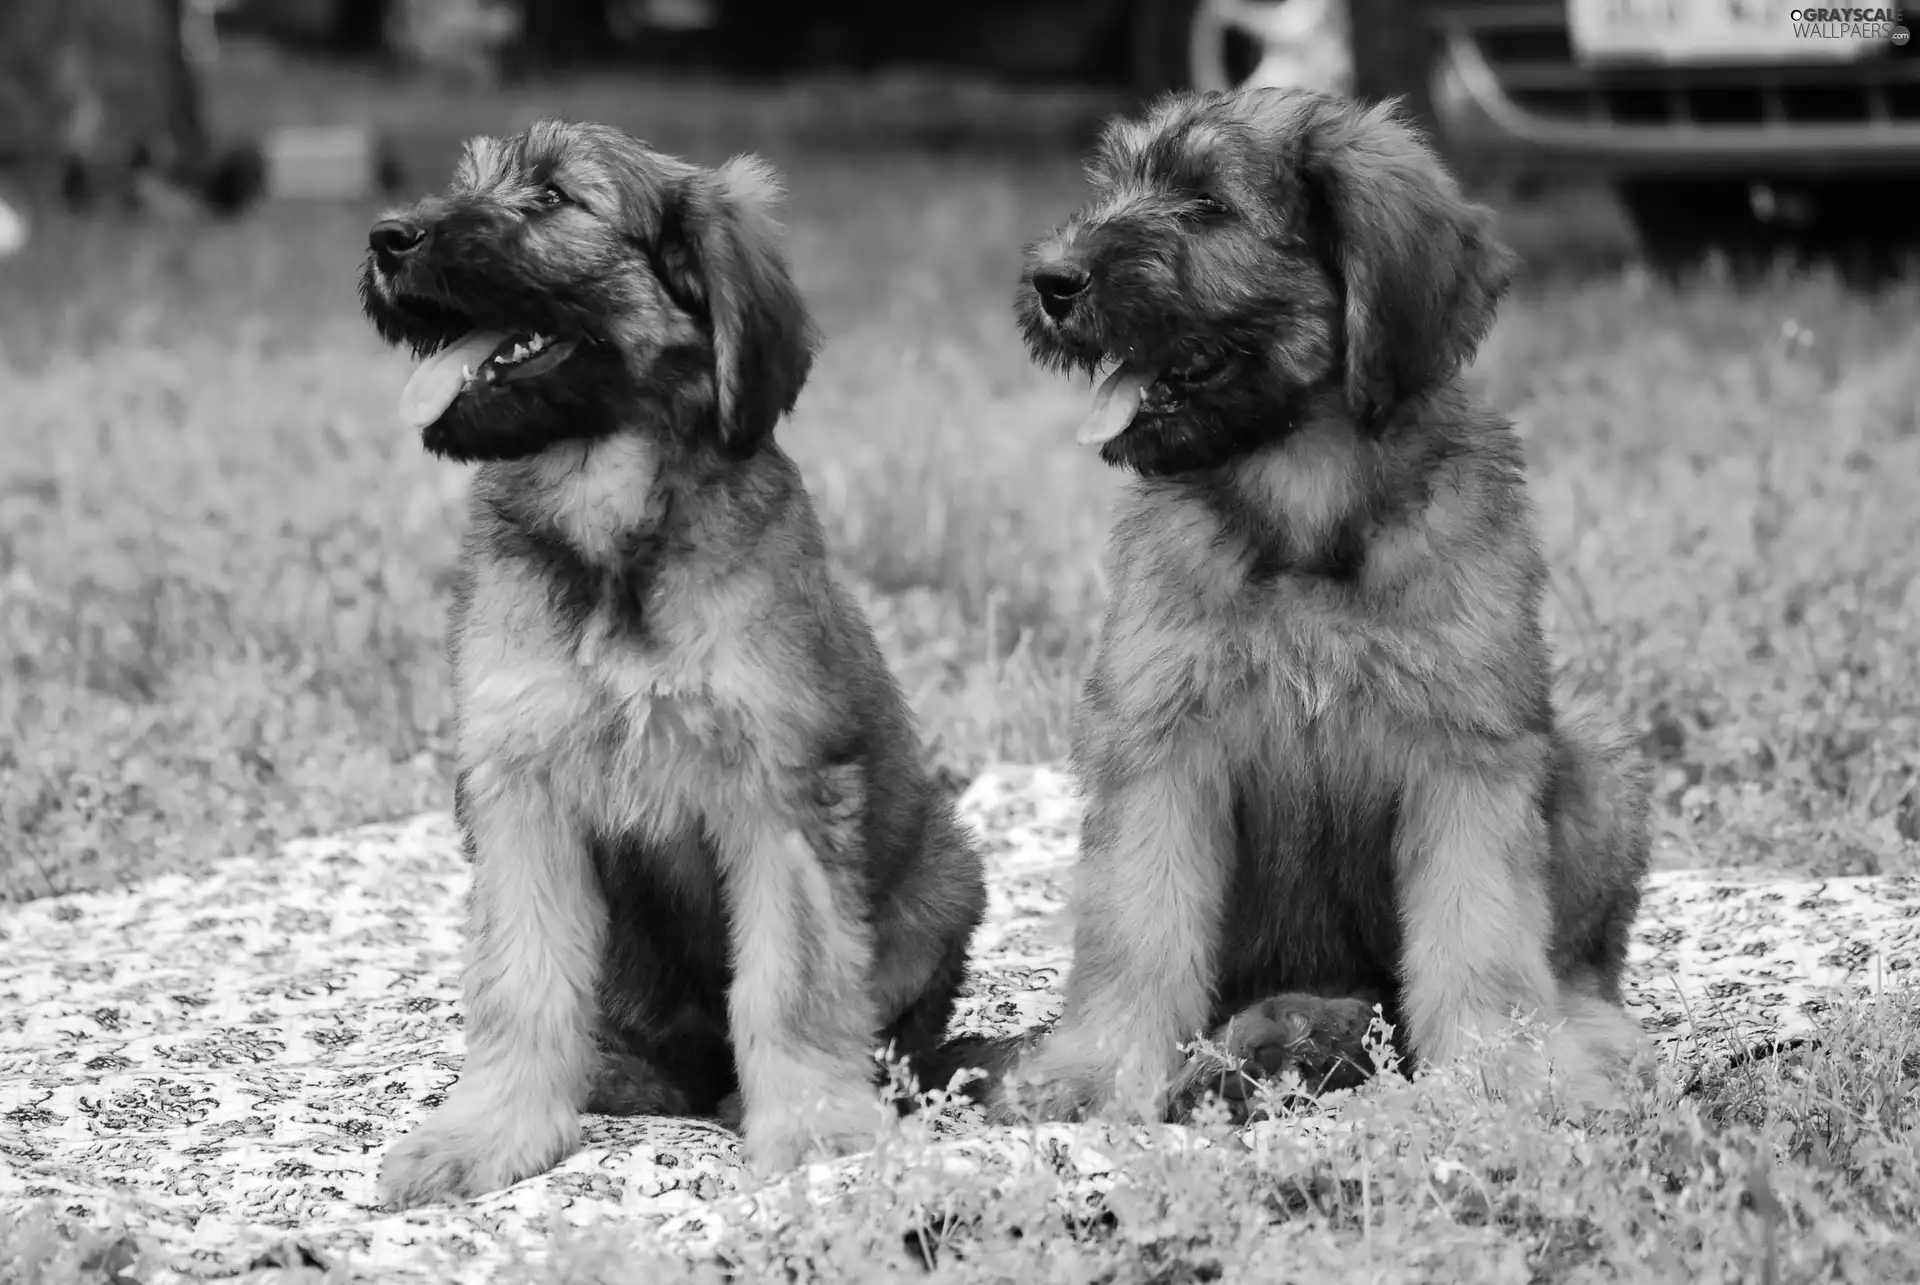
{"x": 1372, "y": 48}
{"x": 1153, "y": 45}
{"x": 1706, "y": 117}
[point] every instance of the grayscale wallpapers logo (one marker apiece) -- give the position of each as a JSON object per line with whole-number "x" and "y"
{"x": 1850, "y": 24}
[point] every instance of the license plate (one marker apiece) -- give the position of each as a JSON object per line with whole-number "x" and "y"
{"x": 1720, "y": 31}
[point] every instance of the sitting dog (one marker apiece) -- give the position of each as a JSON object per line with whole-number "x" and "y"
{"x": 706, "y": 857}
{"x": 1322, "y": 749}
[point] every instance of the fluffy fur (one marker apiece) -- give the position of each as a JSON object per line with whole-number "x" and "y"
{"x": 707, "y": 860}
{"x": 1324, "y": 759}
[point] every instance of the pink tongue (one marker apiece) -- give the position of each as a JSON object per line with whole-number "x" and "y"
{"x": 1116, "y": 403}
{"x": 439, "y": 378}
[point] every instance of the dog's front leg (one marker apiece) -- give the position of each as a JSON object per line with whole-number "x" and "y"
{"x": 537, "y": 924}
{"x": 1470, "y": 868}
{"x": 1149, "y": 901}
{"x": 800, "y": 1010}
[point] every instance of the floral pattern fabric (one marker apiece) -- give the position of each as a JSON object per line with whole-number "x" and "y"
{"x": 217, "y": 1063}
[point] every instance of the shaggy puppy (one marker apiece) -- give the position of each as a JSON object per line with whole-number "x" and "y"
{"x": 706, "y": 857}
{"x": 1323, "y": 755}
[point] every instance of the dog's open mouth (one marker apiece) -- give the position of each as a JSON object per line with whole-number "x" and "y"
{"x": 480, "y": 358}
{"x": 1147, "y": 387}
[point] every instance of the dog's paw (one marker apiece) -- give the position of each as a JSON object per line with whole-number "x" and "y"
{"x": 1559, "y": 1076}
{"x": 628, "y": 1085}
{"x": 1059, "y": 1082}
{"x": 1593, "y": 1057}
{"x": 1321, "y": 1040}
{"x": 780, "y": 1139}
{"x": 1576, "y": 1064}
{"x": 461, "y": 1153}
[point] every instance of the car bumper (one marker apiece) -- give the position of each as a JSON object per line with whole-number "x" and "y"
{"x": 1506, "y": 90}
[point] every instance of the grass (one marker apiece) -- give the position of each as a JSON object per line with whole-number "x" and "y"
{"x": 224, "y": 572}
{"x": 1801, "y": 1170}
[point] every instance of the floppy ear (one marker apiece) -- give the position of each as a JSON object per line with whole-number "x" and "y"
{"x": 1419, "y": 264}
{"x": 726, "y": 255}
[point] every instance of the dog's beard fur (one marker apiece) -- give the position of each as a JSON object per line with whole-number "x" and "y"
{"x": 1321, "y": 749}
{"x": 654, "y": 271}
{"x": 706, "y": 855}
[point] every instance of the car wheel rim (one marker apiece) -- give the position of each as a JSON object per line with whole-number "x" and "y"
{"x": 1287, "y": 43}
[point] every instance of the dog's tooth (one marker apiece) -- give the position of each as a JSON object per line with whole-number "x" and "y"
{"x": 467, "y": 374}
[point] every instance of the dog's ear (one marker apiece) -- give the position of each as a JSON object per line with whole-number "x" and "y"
{"x": 1419, "y": 264}
{"x": 722, "y": 246}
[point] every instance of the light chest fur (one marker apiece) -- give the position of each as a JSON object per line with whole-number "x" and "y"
{"x": 1281, "y": 668}
{"x": 637, "y": 732}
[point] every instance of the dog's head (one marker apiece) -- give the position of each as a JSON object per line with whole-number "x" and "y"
{"x": 573, "y": 282}
{"x": 1246, "y": 250}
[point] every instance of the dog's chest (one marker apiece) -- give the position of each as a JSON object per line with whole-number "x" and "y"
{"x": 597, "y": 690}
{"x": 637, "y": 718}
{"x": 600, "y": 495}
{"x": 1287, "y": 649}
{"x": 1274, "y": 657}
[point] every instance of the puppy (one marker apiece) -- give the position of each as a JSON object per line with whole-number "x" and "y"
{"x": 706, "y": 857}
{"x": 1323, "y": 756}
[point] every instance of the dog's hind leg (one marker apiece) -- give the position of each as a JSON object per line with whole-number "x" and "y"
{"x": 626, "y": 1083}
{"x": 537, "y": 926}
{"x": 1599, "y": 832}
{"x": 1320, "y": 1038}
{"x": 1598, "y": 829}
{"x": 915, "y": 1034}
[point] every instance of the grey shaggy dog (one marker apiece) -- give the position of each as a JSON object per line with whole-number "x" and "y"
{"x": 709, "y": 872}
{"x": 1325, "y": 761}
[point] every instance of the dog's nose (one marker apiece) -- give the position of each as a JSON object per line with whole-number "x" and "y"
{"x": 394, "y": 239}
{"x": 1058, "y": 285}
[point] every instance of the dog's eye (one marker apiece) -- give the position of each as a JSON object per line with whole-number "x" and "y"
{"x": 550, "y": 195}
{"x": 1212, "y": 206}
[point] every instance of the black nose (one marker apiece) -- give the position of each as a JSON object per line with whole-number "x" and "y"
{"x": 1059, "y": 285}
{"x": 394, "y": 239}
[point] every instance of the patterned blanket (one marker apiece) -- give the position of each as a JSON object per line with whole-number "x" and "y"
{"x": 217, "y": 1063}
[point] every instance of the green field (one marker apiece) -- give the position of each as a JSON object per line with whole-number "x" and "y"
{"x": 224, "y": 574}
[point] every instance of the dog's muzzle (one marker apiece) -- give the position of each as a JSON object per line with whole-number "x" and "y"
{"x": 1059, "y": 285}
{"x": 393, "y": 241}
{"x": 467, "y": 356}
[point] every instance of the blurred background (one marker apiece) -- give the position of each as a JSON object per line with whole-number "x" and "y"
{"x": 1714, "y": 123}
{"x": 224, "y": 569}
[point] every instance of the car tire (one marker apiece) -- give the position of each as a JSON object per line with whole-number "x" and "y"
{"x": 1159, "y": 36}
{"x": 1395, "y": 48}
{"x": 1180, "y": 45}
{"x": 1863, "y": 226}
{"x": 1678, "y": 222}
